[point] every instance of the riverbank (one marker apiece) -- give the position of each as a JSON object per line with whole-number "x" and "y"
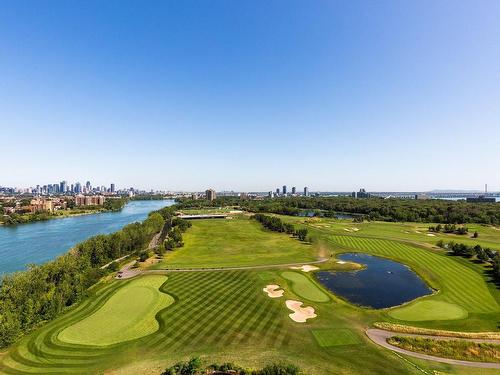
{"x": 111, "y": 205}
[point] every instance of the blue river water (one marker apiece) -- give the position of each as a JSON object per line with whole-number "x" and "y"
{"x": 39, "y": 242}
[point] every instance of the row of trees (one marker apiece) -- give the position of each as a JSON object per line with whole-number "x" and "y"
{"x": 399, "y": 210}
{"x": 42, "y": 292}
{"x": 482, "y": 254}
{"x": 277, "y": 225}
{"x": 195, "y": 367}
{"x": 451, "y": 228}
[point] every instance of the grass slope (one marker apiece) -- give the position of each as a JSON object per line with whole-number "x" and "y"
{"x": 127, "y": 315}
{"x": 304, "y": 287}
{"x": 235, "y": 242}
{"x": 429, "y": 310}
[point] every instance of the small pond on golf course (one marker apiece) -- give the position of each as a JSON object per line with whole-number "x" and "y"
{"x": 382, "y": 283}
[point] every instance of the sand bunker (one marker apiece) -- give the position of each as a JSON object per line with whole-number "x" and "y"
{"x": 351, "y": 229}
{"x": 341, "y": 262}
{"x": 273, "y": 292}
{"x": 300, "y": 314}
{"x": 431, "y": 235}
{"x": 305, "y": 268}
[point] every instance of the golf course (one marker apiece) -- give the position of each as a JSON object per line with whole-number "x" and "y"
{"x": 206, "y": 299}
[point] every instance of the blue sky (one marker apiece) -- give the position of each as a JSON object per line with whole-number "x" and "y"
{"x": 335, "y": 95}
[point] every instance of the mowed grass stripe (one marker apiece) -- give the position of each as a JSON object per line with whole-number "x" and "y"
{"x": 459, "y": 284}
{"x": 180, "y": 320}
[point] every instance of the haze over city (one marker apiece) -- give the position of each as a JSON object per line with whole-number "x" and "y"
{"x": 250, "y": 96}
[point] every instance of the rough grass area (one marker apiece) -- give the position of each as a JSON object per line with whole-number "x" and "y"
{"x": 335, "y": 337}
{"x": 235, "y": 242}
{"x": 455, "y": 349}
{"x": 436, "y": 332}
{"x": 304, "y": 287}
{"x": 429, "y": 310}
{"x": 127, "y": 315}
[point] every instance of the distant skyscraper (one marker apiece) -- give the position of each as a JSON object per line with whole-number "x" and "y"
{"x": 78, "y": 188}
{"x": 88, "y": 186}
{"x": 112, "y": 188}
{"x": 306, "y": 191}
{"x": 62, "y": 187}
{"x": 72, "y": 189}
{"x": 294, "y": 190}
{"x": 210, "y": 194}
{"x": 284, "y": 189}
{"x": 278, "y": 191}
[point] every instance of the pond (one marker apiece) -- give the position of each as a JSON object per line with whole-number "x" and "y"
{"x": 381, "y": 284}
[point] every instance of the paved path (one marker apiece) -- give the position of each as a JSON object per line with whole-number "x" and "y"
{"x": 380, "y": 336}
{"x": 126, "y": 272}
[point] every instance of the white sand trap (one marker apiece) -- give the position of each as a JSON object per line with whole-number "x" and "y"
{"x": 347, "y": 230}
{"x": 305, "y": 268}
{"x": 431, "y": 235}
{"x": 341, "y": 262}
{"x": 273, "y": 292}
{"x": 300, "y": 314}
{"x": 355, "y": 229}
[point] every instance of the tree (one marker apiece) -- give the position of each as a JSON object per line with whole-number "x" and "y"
{"x": 114, "y": 266}
{"x": 302, "y": 234}
{"x": 475, "y": 235}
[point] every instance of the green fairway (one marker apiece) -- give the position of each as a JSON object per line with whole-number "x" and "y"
{"x": 223, "y": 316}
{"x": 304, "y": 287}
{"x": 458, "y": 283}
{"x": 235, "y": 242}
{"x": 127, "y": 315}
{"x": 429, "y": 310}
{"x": 335, "y": 337}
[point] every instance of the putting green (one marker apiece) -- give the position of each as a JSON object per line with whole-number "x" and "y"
{"x": 429, "y": 310}
{"x": 304, "y": 287}
{"x": 127, "y": 315}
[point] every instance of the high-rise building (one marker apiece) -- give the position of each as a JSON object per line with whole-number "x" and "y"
{"x": 88, "y": 186}
{"x": 278, "y": 191}
{"x": 294, "y": 189}
{"x": 306, "y": 191}
{"x": 210, "y": 194}
{"x": 78, "y": 188}
{"x": 284, "y": 189}
{"x": 63, "y": 185}
{"x": 112, "y": 188}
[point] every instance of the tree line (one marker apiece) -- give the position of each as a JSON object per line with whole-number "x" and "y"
{"x": 42, "y": 292}
{"x": 277, "y": 225}
{"x": 393, "y": 209}
{"x": 195, "y": 366}
{"x": 481, "y": 254}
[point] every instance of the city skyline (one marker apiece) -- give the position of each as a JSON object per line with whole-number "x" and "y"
{"x": 333, "y": 95}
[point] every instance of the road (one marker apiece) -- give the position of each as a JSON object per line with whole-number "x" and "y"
{"x": 126, "y": 272}
{"x": 380, "y": 337}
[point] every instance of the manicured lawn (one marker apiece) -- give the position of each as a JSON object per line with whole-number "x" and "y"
{"x": 335, "y": 337}
{"x": 224, "y": 316}
{"x": 304, "y": 287}
{"x": 221, "y": 316}
{"x": 127, "y": 315}
{"x": 235, "y": 242}
{"x": 429, "y": 310}
{"x": 458, "y": 283}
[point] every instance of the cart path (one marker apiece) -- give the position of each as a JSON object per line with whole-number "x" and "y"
{"x": 126, "y": 272}
{"x": 380, "y": 336}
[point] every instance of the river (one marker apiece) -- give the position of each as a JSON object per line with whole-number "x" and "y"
{"x": 41, "y": 241}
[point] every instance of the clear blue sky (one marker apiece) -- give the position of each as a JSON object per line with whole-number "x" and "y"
{"x": 251, "y": 95}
